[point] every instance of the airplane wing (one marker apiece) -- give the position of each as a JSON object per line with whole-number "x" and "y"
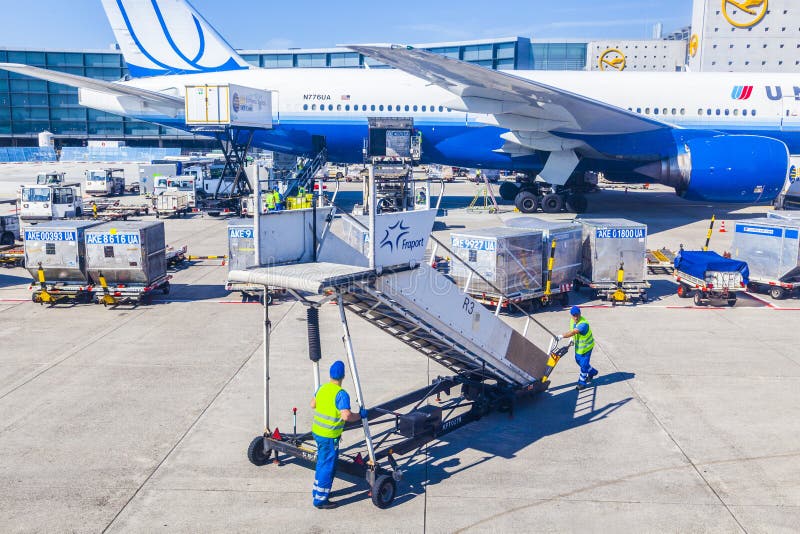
{"x": 535, "y": 113}
{"x": 100, "y": 86}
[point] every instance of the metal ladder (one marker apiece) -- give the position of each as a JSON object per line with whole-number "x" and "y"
{"x": 387, "y": 314}
{"x": 306, "y": 174}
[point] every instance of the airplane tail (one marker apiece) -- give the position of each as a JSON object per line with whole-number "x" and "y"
{"x": 160, "y": 37}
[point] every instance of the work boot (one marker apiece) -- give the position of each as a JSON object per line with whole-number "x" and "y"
{"x": 593, "y": 373}
{"x": 581, "y": 385}
{"x": 327, "y": 505}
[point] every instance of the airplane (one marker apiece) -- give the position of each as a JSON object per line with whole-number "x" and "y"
{"x": 717, "y": 137}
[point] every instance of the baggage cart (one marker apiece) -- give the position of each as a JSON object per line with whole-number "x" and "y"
{"x": 771, "y": 248}
{"x": 171, "y": 204}
{"x": 613, "y": 260}
{"x": 55, "y": 255}
{"x": 126, "y": 262}
{"x": 242, "y": 256}
{"x": 707, "y": 276}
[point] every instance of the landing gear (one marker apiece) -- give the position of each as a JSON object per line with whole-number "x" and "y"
{"x": 529, "y": 197}
{"x": 552, "y": 203}
{"x": 527, "y": 202}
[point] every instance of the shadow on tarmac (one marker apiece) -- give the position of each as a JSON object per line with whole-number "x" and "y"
{"x": 498, "y": 435}
{"x": 8, "y": 280}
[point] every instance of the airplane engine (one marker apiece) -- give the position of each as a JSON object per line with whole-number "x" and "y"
{"x": 725, "y": 168}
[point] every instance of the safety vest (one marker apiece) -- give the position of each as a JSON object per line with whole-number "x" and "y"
{"x": 277, "y": 197}
{"x": 583, "y": 342}
{"x": 328, "y": 421}
{"x": 270, "y": 201}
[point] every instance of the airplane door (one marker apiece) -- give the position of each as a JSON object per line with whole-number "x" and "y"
{"x": 276, "y": 108}
{"x": 790, "y": 116}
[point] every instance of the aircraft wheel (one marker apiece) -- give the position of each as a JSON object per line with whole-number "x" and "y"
{"x": 509, "y": 191}
{"x": 552, "y": 203}
{"x": 526, "y": 202}
{"x": 577, "y": 203}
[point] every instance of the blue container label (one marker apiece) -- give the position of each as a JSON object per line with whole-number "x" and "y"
{"x": 621, "y": 233}
{"x": 473, "y": 244}
{"x": 758, "y": 230}
{"x": 240, "y": 233}
{"x": 112, "y": 239}
{"x": 51, "y": 235}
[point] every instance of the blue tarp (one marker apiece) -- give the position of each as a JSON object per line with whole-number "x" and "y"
{"x": 697, "y": 262}
{"x": 26, "y": 154}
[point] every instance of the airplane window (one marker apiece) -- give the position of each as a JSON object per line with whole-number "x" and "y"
{"x": 380, "y": 108}
{"x": 708, "y": 111}
{"x": 655, "y": 111}
{"x": 744, "y": 112}
{"x": 305, "y": 107}
{"x": 313, "y": 107}
{"x": 441, "y": 108}
{"x": 372, "y": 107}
{"x": 433, "y": 108}
{"x": 407, "y": 108}
{"x": 664, "y": 111}
{"x": 330, "y": 107}
{"x": 389, "y": 108}
{"x": 674, "y": 111}
{"x": 423, "y": 108}
{"x": 753, "y": 113}
{"x": 699, "y": 112}
{"x": 638, "y": 110}
{"x": 397, "y": 107}
{"x": 647, "y": 111}
{"x": 338, "y": 107}
{"x": 727, "y": 112}
{"x": 735, "y": 112}
{"x": 683, "y": 111}
{"x": 347, "y": 107}
{"x": 718, "y": 112}
{"x": 415, "y": 108}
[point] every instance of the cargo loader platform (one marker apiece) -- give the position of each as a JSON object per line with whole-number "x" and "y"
{"x": 492, "y": 365}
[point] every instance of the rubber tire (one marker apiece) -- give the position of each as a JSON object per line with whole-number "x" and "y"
{"x": 255, "y": 452}
{"x": 7, "y": 238}
{"x": 509, "y": 191}
{"x": 698, "y": 299}
{"x": 778, "y": 293}
{"x": 78, "y": 212}
{"x": 684, "y": 292}
{"x": 576, "y": 286}
{"x": 731, "y": 302}
{"x": 384, "y": 491}
{"x": 552, "y": 203}
{"x": 643, "y": 298}
{"x": 526, "y": 202}
{"x": 165, "y": 288}
{"x": 577, "y": 204}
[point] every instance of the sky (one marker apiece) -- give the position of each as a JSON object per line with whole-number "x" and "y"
{"x": 266, "y": 24}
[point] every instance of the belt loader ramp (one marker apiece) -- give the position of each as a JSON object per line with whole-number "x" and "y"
{"x": 390, "y": 287}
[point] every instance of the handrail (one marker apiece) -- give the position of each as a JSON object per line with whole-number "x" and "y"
{"x": 473, "y": 271}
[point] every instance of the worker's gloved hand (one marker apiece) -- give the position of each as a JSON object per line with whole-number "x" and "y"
{"x": 363, "y": 413}
{"x": 559, "y": 337}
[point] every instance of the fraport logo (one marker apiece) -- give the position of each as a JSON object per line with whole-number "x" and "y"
{"x": 394, "y": 238}
{"x": 742, "y": 92}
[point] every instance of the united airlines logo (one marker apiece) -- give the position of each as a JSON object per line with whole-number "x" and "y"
{"x": 169, "y": 37}
{"x": 742, "y": 92}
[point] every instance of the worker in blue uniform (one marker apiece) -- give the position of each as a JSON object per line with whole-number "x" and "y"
{"x": 584, "y": 344}
{"x": 331, "y": 406}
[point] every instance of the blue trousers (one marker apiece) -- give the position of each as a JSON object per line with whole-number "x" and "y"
{"x": 327, "y": 451}
{"x": 584, "y": 362}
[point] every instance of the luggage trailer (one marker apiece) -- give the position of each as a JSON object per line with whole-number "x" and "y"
{"x": 401, "y": 425}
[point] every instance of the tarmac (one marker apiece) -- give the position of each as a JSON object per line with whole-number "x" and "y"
{"x": 138, "y": 419}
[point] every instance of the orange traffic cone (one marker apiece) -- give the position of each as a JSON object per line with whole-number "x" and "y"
{"x": 722, "y": 229}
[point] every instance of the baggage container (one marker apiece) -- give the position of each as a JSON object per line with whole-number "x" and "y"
{"x": 127, "y": 253}
{"x": 612, "y": 248}
{"x": 60, "y": 248}
{"x": 771, "y": 248}
{"x": 510, "y": 258}
{"x": 242, "y": 256}
{"x": 568, "y": 237}
{"x": 707, "y": 276}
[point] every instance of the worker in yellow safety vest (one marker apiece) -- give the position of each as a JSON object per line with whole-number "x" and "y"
{"x": 331, "y": 406}
{"x": 276, "y": 198}
{"x": 269, "y": 199}
{"x": 584, "y": 343}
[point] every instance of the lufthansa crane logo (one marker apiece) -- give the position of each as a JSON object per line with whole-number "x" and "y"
{"x": 694, "y": 45}
{"x": 612, "y": 59}
{"x": 744, "y": 13}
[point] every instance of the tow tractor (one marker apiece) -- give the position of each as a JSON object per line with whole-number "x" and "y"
{"x": 51, "y": 201}
{"x": 106, "y": 182}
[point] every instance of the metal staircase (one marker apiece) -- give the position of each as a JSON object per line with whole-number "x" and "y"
{"x": 391, "y": 317}
{"x": 304, "y": 176}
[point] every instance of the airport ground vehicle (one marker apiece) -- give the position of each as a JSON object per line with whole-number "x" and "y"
{"x": 171, "y": 204}
{"x": 771, "y": 249}
{"x": 9, "y": 229}
{"x": 613, "y": 260}
{"x": 49, "y": 202}
{"x": 707, "y": 276}
{"x": 51, "y": 178}
{"x": 150, "y": 173}
{"x": 106, "y": 182}
{"x": 126, "y": 262}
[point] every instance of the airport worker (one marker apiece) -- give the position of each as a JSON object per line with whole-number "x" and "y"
{"x": 269, "y": 199}
{"x": 277, "y": 200}
{"x": 331, "y": 406}
{"x": 584, "y": 343}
